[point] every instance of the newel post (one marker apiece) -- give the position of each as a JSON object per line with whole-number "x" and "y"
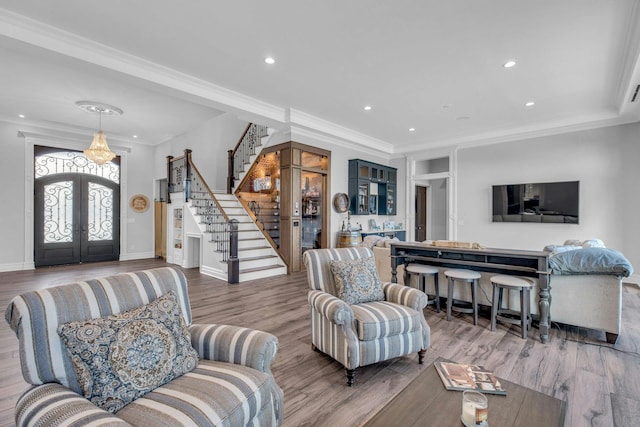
{"x": 230, "y": 171}
{"x": 233, "y": 264}
{"x": 170, "y": 182}
{"x": 186, "y": 187}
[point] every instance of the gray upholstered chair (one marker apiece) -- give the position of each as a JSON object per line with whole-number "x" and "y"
{"x": 362, "y": 334}
{"x": 232, "y": 384}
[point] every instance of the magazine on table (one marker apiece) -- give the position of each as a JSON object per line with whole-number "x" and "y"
{"x": 457, "y": 376}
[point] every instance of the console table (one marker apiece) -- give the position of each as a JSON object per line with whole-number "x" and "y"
{"x": 501, "y": 261}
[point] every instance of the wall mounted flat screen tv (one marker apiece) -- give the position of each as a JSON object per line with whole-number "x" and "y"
{"x": 547, "y": 202}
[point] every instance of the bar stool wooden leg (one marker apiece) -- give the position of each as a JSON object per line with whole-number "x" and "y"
{"x": 437, "y": 289}
{"x": 449, "y": 298}
{"x": 474, "y": 300}
{"x": 524, "y": 309}
{"x": 494, "y": 306}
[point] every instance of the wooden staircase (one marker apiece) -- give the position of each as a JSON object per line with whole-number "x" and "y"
{"x": 208, "y": 215}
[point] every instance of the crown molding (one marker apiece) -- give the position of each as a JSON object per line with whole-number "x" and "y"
{"x": 629, "y": 77}
{"x": 540, "y": 130}
{"x": 357, "y": 140}
{"x": 301, "y": 133}
{"x": 45, "y": 36}
{"x": 44, "y": 127}
{"x": 79, "y": 142}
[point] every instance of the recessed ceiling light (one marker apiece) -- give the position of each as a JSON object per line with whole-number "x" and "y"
{"x": 135, "y": 136}
{"x": 412, "y": 129}
{"x": 509, "y": 64}
{"x": 530, "y": 104}
{"x": 269, "y": 60}
{"x": 21, "y": 116}
{"x": 367, "y": 107}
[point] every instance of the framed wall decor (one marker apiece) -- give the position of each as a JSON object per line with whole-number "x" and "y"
{"x": 341, "y": 202}
{"x": 139, "y": 203}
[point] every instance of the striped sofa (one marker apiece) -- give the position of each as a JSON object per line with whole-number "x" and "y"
{"x": 363, "y": 334}
{"x": 232, "y": 384}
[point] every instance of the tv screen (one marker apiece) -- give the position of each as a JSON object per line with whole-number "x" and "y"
{"x": 548, "y": 202}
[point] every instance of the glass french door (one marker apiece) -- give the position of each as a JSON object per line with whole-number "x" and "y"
{"x": 76, "y": 211}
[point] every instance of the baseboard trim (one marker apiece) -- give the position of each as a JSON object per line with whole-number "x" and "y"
{"x": 17, "y": 266}
{"x": 213, "y": 272}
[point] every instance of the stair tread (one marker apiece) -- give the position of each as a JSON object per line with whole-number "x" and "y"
{"x": 253, "y": 248}
{"x": 256, "y": 258}
{"x": 265, "y": 268}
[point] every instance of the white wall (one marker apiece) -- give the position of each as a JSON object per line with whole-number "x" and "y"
{"x": 138, "y": 237}
{"x": 12, "y": 194}
{"x": 209, "y": 143}
{"x": 603, "y": 160}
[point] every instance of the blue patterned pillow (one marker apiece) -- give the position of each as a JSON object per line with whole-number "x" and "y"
{"x": 122, "y": 357}
{"x": 357, "y": 280}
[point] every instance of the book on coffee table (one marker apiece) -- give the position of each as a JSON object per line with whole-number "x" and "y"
{"x": 456, "y": 376}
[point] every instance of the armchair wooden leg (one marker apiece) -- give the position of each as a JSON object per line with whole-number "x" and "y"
{"x": 611, "y": 337}
{"x": 351, "y": 375}
{"x": 421, "y": 356}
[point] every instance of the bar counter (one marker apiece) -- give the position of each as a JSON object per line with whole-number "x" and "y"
{"x": 502, "y": 261}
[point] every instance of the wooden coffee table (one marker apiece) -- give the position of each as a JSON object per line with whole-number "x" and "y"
{"x": 425, "y": 402}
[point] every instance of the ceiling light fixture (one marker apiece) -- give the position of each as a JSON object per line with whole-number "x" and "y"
{"x": 509, "y": 64}
{"x": 367, "y": 107}
{"x": 530, "y": 104}
{"x": 269, "y": 60}
{"x": 21, "y": 116}
{"x": 99, "y": 151}
{"x": 412, "y": 129}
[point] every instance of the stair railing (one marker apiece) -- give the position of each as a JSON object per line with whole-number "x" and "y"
{"x": 241, "y": 154}
{"x": 184, "y": 176}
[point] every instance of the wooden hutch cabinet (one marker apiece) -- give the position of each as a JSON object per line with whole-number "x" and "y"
{"x": 288, "y": 192}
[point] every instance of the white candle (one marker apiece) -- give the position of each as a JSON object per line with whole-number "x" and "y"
{"x": 474, "y": 409}
{"x": 469, "y": 413}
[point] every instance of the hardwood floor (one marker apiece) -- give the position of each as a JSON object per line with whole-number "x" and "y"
{"x": 599, "y": 382}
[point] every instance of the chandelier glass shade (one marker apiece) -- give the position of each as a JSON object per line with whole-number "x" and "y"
{"x": 99, "y": 151}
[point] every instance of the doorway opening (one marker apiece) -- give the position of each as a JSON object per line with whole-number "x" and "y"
{"x": 432, "y": 193}
{"x": 76, "y": 208}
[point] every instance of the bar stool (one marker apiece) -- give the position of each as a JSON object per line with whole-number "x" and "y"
{"x": 466, "y": 276}
{"x": 522, "y": 317}
{"x": 422, "y": 271}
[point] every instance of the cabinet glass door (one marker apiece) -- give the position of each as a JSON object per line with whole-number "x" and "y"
{"x": 363, "y": 198}
{"x": 391, "y": 199}
{"x": 312, "y": 192}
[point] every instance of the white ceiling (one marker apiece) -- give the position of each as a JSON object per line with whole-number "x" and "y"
{"x": 432, "y": 65}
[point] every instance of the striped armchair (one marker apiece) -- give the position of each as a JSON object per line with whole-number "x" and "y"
{"x": 362, "y": 334}
{"x": 232, "y": 385}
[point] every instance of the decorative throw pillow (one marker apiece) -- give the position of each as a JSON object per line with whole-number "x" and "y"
{"x": 357, "y": 280}
{"x": 119, "y": 358}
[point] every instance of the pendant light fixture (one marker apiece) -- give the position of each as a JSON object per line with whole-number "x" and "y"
{"x": 99, "y": 151}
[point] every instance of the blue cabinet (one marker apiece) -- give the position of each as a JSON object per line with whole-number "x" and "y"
{"x": 372, "y": 188}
